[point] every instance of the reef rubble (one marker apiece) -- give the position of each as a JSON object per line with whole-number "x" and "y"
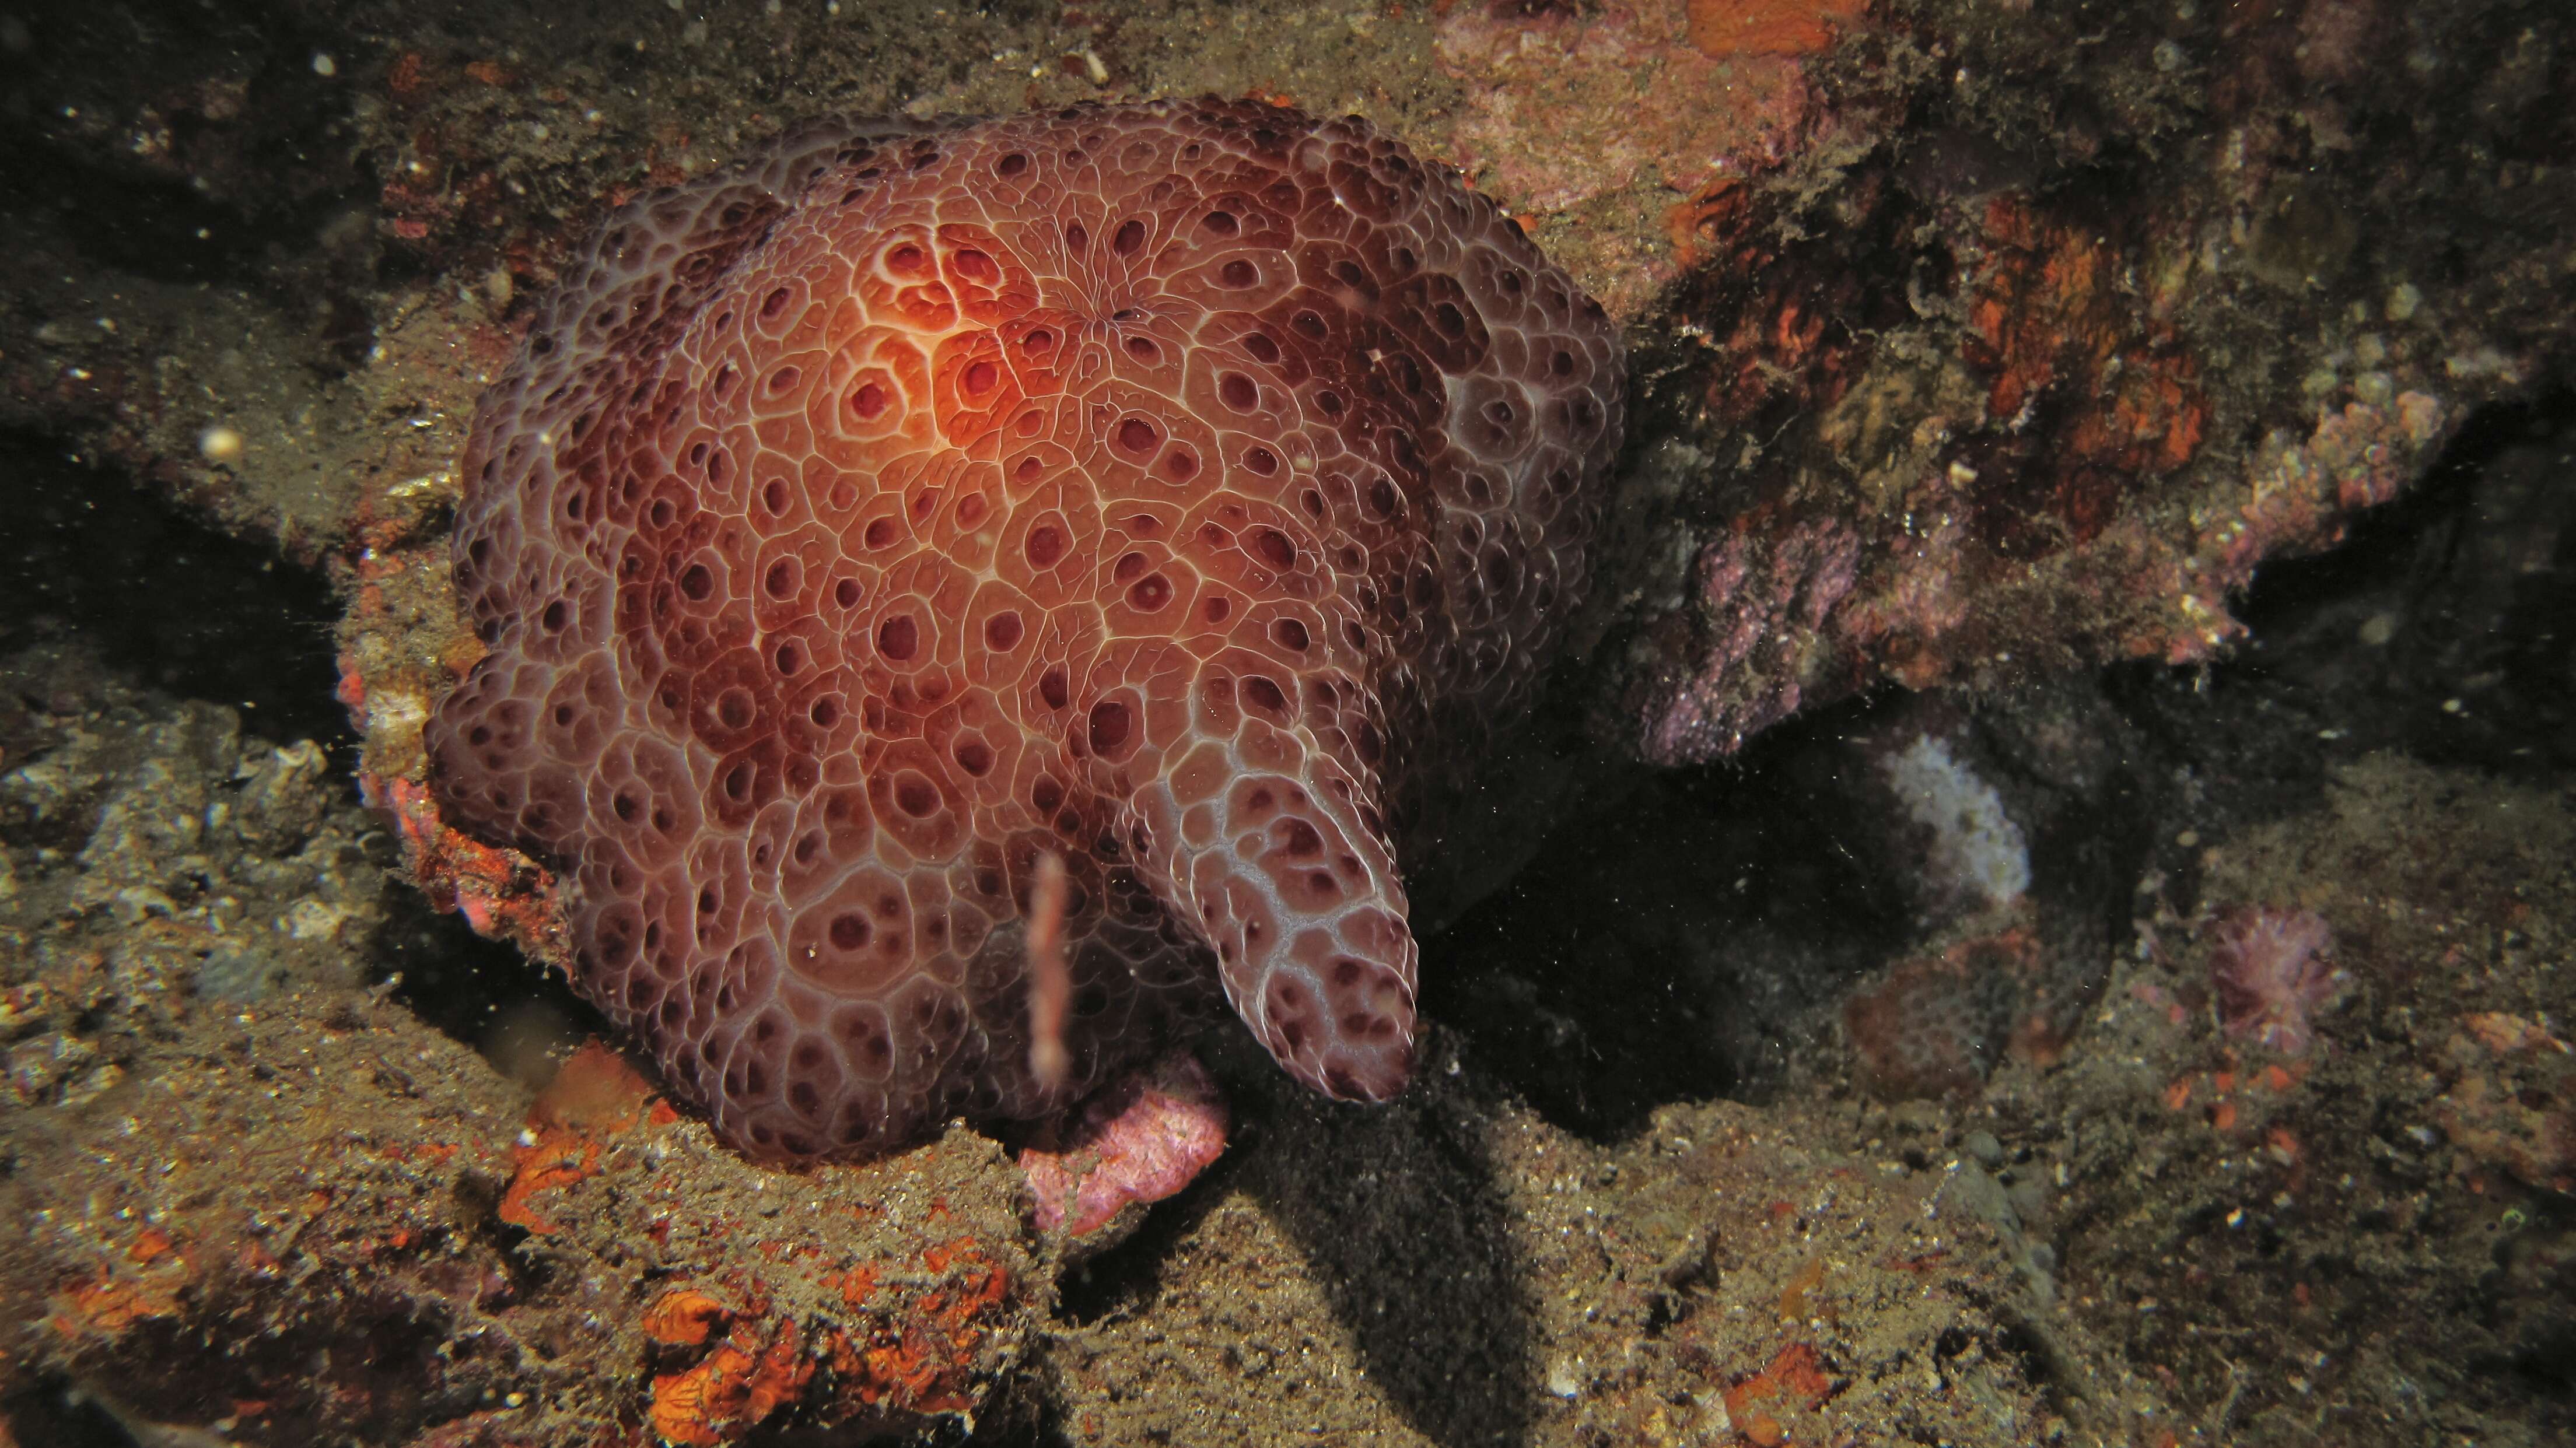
{"x": 2102, "y": 477}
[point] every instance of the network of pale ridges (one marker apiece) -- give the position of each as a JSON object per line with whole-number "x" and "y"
{"x": 1154, "y": 486}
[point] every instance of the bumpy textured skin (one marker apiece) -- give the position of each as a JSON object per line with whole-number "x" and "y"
{"x": 1188, "y": 488}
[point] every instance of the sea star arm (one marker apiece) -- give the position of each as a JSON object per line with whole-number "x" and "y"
{"x": 1281, "y": 870}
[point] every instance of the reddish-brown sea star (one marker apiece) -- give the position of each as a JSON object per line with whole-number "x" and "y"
{"x": 1175, "y": 486}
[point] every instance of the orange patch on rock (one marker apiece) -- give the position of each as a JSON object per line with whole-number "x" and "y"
{"x": 2503, "y": 1033}
{"x": 503, "y": 894}
{"x": 1921, "y": 1032}
{"x": 150, "y": 1245}
{"x": 1795, "y": 1376}
{"x": 908, "y": 1348}
{"x": 1702, "y": 227}
{"x": 153, "y": 1270}
{"x": 596, "y": 1091}
{"x": 1779, "y": 313}
{"x": 594, "y": 1094}
{"x": 731, "y": 1390}
{"x": 105, "y": 1308}
{"x": 1793, "y": 1298}
{"x": 856, "y": 1285}
{"x": 404, "y": 75}
{"x": 554, "y": 1159}
{"x": 2051, "y": 320}
{"x": 923, "y": 1360}
{"x": 682, "y": 1318}
{"x": 1724, "y": 28}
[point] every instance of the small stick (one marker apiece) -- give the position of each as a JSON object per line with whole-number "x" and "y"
{"x": 1050, "y": 983}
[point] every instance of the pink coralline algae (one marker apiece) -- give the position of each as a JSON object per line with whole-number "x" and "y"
{"x": 1567, "y": 102}
{"x": 2272, "y": 970}
{"x": 1185, "y": 489}
{"x": 2305, "y": 491}
{"x": 1762, "y": 602}
{"x": 1138, "y": 1142}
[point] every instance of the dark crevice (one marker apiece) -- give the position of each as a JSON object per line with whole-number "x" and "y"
{"x": 155, "y": 227}
{"x": 1611, "y": 976}
{"x": 56, "y": 1410}
{"x": 222, "y": 179}
{"x": 166, "y": 598}
{"x": 1674, "y": 944}
{"x": 464, "y": 986}
{"x": 2439, "y": 629}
